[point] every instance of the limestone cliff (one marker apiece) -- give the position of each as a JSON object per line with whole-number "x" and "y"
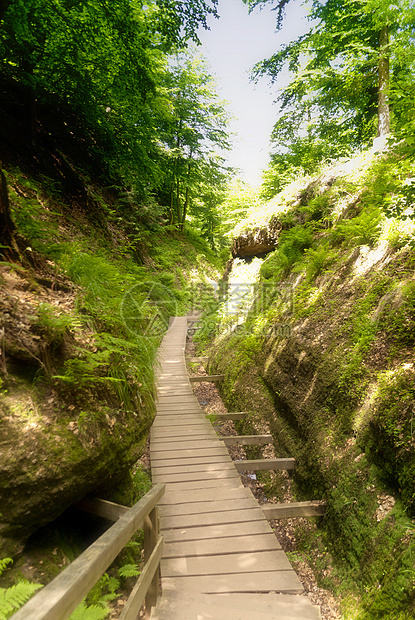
{"x": 331, "y": 371}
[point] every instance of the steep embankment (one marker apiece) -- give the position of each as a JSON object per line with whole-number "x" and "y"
{"x": 81, "y": 319}
{"x": 324, "y": 357}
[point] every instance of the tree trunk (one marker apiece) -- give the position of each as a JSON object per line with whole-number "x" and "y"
{"x": 186, "y": 204}
{"x": 383, "y": 106}
{"x": 171, "y": 203}
{"x": 8, "y": 245}
{"x": 186, "y": 201}
{"x": 179, "y": 211}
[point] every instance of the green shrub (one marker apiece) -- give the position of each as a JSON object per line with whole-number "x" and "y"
{"x": 13, "y": 598}
{"x": 290, "y": 250}
{"x": 364, "y": 229}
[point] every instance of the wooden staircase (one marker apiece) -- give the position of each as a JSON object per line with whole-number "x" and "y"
{"x": 221, "y": 560}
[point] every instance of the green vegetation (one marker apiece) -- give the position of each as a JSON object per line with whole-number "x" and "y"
{"x": 350, "y": 76}
{"x": 338, "y": 392}
{"x": 119, "y": 213}
{"x": 11, "y": 599}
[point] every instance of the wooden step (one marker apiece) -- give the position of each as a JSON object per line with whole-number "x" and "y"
{"x": 219, "y": 417}
{"x": 264, "y": 464}
{"x": 246, "y": 440}
{"x": 226, "y": 564}
{"x": 206, "y": 378}
{"x": 294, "y": 509}
{"x": 217, "y": 531}
{"x": 186, "y": 605}
{"x": 232, "y": 544}
{"x": 232, "y": 517}
{"x": 205, "y": 507}
{"x": 170, "y": 498}
{"x": 267, "y": 581}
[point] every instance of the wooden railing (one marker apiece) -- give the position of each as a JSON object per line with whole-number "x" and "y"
{"x": 60, "y": 597}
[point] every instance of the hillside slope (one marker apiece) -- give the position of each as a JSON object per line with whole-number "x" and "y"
{"x": 81, "y": 317}
{"x": 324, "y": 359}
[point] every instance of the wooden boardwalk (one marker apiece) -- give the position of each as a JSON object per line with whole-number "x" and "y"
{"x": 221, "y": 560}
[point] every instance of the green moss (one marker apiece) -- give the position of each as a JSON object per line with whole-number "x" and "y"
{"x": 390, "y": 436}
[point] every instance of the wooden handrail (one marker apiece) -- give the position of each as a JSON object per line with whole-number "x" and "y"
{"x": 60, "y": 597}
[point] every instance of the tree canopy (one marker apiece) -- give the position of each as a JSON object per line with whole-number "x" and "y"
{"x": 150, "y": 121}
{"x": 345, "y": 74}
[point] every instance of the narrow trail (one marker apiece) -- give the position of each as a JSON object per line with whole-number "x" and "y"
{"x": 222, "y": 560}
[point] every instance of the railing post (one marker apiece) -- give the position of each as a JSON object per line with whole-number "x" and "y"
{"x": 151, "y": 534}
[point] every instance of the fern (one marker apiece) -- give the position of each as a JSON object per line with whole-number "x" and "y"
{"x": 363, "y": 229}
{"x": 129, "y": 570}
{"x": 89, "y": 612}
{"x": 4, "y": 563}
{"x": 11, "y": 599}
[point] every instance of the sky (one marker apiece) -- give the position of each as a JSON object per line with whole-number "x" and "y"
{"x": 233, "y": 45}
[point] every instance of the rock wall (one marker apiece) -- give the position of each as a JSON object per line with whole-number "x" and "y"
{"x": 338, "y": 395}
{"x": 58, "y": 441}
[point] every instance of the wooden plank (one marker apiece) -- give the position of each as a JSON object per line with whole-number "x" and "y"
{"x": 217, "y": 531}
{"x": 281, "y": 581}
{"x": 176, "y": 399}
{"x": 158, "y": 423}
{"x": 193, "y": 476}
{"x": 179, "y": 454}
{"x": 188, "y": 605}
{"x": 181, "y": 429}
{"x": 246, "y": 440}
{"x": 195, "y": 360}
{"x": 159, "y": 435}
{"x": 195, "y": 434}
{"x": 168, "y": 401}
{"x": 189, "y": 404}
{"x": 195, "y": 460}
{"x": 195, "y": 409}
{"x": 155, "y": 439}
{"x": 165, "y": 414}
{"x": 102, "y": 508}
{"x": 175, "y": 379}
{"x": 232, "y": 544}
{"x": 199, "y": 484}
{"x": 172, "y": 498}
{"x": 61, "y": 596}
{"x": 204, "y": 507}
{"x": 138, "y": 593}
{"x": 250, "y": 601}
{"x": 171, "y": 391}
{"x": 168, "y": 610}
{"x": 217, "y": 518}
{"x": 260, "y": 561}
{"x": 294, "y": 509}
{"x": 170, "y": 446}
{"x": 185, "y": 416}
{"x": 264, "y": 464}
{"x": 199, "y": 467}
{"x": 209, "y": 378}
{"x": 176, "y": 411}
{"x": 219, "y": 417}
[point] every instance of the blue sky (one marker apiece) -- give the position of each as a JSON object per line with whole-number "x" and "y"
{"x": 234, "y": 44}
